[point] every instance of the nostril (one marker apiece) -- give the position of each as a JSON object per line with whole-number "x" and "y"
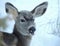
{"x": 32, "y": 30}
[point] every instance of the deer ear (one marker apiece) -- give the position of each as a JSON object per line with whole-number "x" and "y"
{"x": 11, "y": 10}
{"x": 40, "y": 9}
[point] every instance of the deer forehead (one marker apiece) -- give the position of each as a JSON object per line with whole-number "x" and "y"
{"x": 26, "y": 14}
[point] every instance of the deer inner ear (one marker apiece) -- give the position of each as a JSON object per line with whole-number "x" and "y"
{"x": 7, "y": 10}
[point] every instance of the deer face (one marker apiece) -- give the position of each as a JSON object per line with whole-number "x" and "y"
{"x": 26, "y": 22}
{"x": 25, "y": 19}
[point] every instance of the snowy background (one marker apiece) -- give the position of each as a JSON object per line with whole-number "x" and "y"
{"x": 47, "y": 26}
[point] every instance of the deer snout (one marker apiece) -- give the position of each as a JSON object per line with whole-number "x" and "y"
{"x": 32, "y": 30}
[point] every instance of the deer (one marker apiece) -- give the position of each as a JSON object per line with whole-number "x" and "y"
{"x": 24, "y": 27}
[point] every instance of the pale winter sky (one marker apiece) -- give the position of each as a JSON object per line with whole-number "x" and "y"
{"x": 45, "y": 25}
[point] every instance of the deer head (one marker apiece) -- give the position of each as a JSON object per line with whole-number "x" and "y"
{"x": 25, "y": 19}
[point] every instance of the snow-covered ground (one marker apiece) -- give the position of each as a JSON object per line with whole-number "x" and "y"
{"x": 47, "y": 26}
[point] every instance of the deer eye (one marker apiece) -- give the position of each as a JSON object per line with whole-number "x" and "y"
{"x": 22, "y": 20}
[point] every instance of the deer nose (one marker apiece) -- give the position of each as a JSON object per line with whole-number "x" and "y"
{"x": 32, "y": 30}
